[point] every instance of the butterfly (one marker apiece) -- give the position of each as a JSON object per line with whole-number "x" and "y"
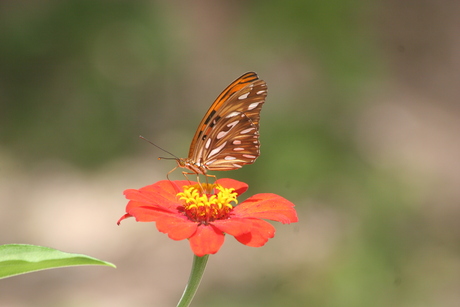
{"x": 228, "y": 135}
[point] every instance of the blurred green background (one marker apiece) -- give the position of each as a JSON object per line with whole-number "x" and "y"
{"x": 360, "y": 130}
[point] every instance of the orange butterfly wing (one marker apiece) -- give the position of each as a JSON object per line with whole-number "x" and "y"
{"x": 228, "y": 136}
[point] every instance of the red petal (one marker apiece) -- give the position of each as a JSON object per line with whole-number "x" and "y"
{"x": 233, "y": 226}
{"x": 150, "y": 197}
{"x": 161, "y": 208}
{"x": 160, "y": 194}
{"x": 177, "y": 226}
{"x": 172, "y": 187}
{"x": 267, "y": 206}
{"x": 260, "y": 232}
{"x": 240, "y": 187}
{"x": 206, "y": 240}
{"x": 148, "y": 213}
{"x": 123, "y": 217}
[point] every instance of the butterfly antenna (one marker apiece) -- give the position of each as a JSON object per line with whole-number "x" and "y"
{"x": 175, "y": 157}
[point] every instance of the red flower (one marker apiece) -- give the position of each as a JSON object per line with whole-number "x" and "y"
{"x": 183, "y": 212}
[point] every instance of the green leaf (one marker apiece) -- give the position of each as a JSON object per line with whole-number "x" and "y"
{"x": 18, "y": 259}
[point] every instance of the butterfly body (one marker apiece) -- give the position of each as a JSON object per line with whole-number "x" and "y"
{"x": 191, "y": 165}
{"x": 228, "y": 135}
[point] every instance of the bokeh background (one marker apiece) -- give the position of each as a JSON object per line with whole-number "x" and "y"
{"x": 360, "y": 130}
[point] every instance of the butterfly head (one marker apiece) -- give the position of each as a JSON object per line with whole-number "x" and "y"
{"x": 190, "y": 165}
{"x": 182, "y": 162}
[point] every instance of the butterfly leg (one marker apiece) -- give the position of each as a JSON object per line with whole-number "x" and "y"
{"x": 186, "y": 177}
{"x": 167, "y": 175}
{"x": 197, "y": 179}
{"x": 213, "y": 176}
{"x": 208, "y": 184}
{"x": 203, "y": 189}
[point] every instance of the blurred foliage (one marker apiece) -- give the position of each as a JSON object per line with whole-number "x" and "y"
{"x": 79, "y": 79}
{"x": 72, "y": 78}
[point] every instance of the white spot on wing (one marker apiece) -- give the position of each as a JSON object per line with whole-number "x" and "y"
{"x": 247, "y": 130}
{"x": 216, "y": 150}
{"x": 253, "y": 105}
{"x": 238, "y": 148}
{"x": 232, "y": 124}
{"x": 244, "y": 96}
{"x": 211, "y": 162}
{"x": 260, "y": 92}
{"x": 233, "y": 114}
{"x": 229, "y": 158}
{"x": 236, "y": 142}
{"x": 208, "y": 143}
{"x": 222, "y": 134}
{"x": 249, "y": 156}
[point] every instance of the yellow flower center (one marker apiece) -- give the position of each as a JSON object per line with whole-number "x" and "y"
{"x": 205, "y": 208}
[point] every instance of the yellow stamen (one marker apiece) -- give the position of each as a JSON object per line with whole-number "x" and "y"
{"x": 205, "y": 208}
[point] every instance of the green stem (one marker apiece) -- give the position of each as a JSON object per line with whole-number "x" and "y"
{"x": 198, "y": 266}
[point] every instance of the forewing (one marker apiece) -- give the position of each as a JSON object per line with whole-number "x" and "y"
{"x": 220, "y": 101}
{"x": 228, "y": 136}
